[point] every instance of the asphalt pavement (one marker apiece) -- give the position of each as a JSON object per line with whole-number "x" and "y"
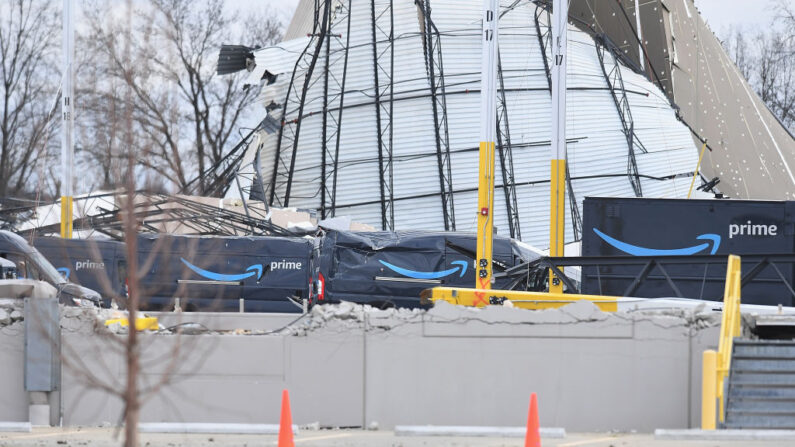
{"x": 104, "y": 437}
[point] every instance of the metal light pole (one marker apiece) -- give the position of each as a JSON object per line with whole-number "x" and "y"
{"x": 557, "y": 156}
{"x": 488, "y": 129}
{"x": 67, "y": 117}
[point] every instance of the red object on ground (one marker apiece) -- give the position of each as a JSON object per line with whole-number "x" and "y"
{"x": 533, "y": 438}
{"x": 286, "y": 423}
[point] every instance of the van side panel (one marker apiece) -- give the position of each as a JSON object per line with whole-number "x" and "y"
{"x": 214, "y": 273}
{"x": 384, "y": 268}
{"x": 89, "y": 263}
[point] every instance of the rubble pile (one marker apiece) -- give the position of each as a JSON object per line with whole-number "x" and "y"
{"x": 11, "y": 311}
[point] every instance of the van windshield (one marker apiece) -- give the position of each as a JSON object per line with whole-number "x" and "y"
{"x": 47, "y": 271}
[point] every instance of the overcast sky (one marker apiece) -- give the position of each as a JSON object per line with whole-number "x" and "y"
{"x": 750, "y": 14}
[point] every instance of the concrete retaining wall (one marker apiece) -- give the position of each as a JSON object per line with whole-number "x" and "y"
{"x": 346, "y": 367}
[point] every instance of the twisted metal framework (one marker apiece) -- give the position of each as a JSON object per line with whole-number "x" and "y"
{"x": 506, "y": 157}
{"x": 383, "y": 25}
{"x": 544, "y": 41}
{"x": 154, "y": 212}
{"x": 434, "y": 67}
{"x": 333, "y": 89}
{"x": 218, "y": 178}
{"x": 615, "y": 83}
{"x": 294, "y": 102}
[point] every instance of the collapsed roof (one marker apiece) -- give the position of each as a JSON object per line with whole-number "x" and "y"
{"x": 377, "y": 109}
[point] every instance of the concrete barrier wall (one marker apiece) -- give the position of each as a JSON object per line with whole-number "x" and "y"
{"x": 13, "y": 398}
{"x": 448, "y": 366}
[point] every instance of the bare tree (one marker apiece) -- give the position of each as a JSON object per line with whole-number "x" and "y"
{"x": 28, "y": 53}
{"x": 737, "y": 47}
{"x": 767, "y": 61}
{"x": 186, "y": 114}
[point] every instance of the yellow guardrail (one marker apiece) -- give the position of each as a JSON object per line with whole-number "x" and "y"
{"x": 716, "y": 365}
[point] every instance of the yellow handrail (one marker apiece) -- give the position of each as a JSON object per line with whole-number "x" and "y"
{"x": 729, "y": 329}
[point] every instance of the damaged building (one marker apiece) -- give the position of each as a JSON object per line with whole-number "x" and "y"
{"x": 372, "y": 111}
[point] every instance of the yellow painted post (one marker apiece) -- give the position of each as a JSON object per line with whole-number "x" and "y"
{"x": 557, "y": 158}
{"x": 488, "y": 129}
{"x": 556, "y": 223}
{"x": 67, "y": 123}
{"x": 66, "y": 217}
{"x": 485, "y": 216}
{"x": 709, "y": 389}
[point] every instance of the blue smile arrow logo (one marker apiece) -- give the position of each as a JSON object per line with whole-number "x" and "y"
{"x": 64, "y": 271}
{"x": 462, "y": 265}
{"x": 252, "y": 270}
{"x": 635, "y": 250}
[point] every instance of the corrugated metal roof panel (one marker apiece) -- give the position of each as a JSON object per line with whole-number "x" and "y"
{"x": 277, "y": 59}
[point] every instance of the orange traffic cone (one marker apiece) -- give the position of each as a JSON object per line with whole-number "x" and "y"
{"x": 286, "y": 423}
{"x": 533, "y": 438}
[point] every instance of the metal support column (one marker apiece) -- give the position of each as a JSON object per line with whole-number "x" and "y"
{"x": 334, "y": 91}
{"x": 382, "y": 23}
{"x": 557, "y": 156}
{"x": 435, "y": 70}
{"x": 488, "y": 127}
{"x": 506, "y": 158}
{"x": 615, "y": 83}
{"x": 293, "y": 108}
{"x": 544, "y": 42}
{"x": 67, "y": 124}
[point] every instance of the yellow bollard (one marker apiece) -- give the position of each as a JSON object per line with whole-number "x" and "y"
{"x": 709, "y": 389}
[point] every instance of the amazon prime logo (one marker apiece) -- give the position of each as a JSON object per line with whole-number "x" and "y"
{"x": 252, "y": 270}
{"x": 752, "y": 229}
{"x": 285, "y": 265}
{"x": 88, "y": 265}
{"x": 635, "y": 250}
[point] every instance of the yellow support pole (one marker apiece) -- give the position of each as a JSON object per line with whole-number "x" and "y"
{"x": 485, "y": 216}
{"x": 66, "y": 216}
{"x": 557, "y": 158}
{"x": 698, "y": 166}
{"x": 557, "y": 202}
{"x": 67, "y": 123}
{"x": 709, "y": 389}
{"x": 488, "y": 129}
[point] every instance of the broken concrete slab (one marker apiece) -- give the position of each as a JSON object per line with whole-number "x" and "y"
{"x": 25, "y": 288}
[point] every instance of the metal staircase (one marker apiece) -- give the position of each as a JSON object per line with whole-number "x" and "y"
{"x": 761, "y": 387}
